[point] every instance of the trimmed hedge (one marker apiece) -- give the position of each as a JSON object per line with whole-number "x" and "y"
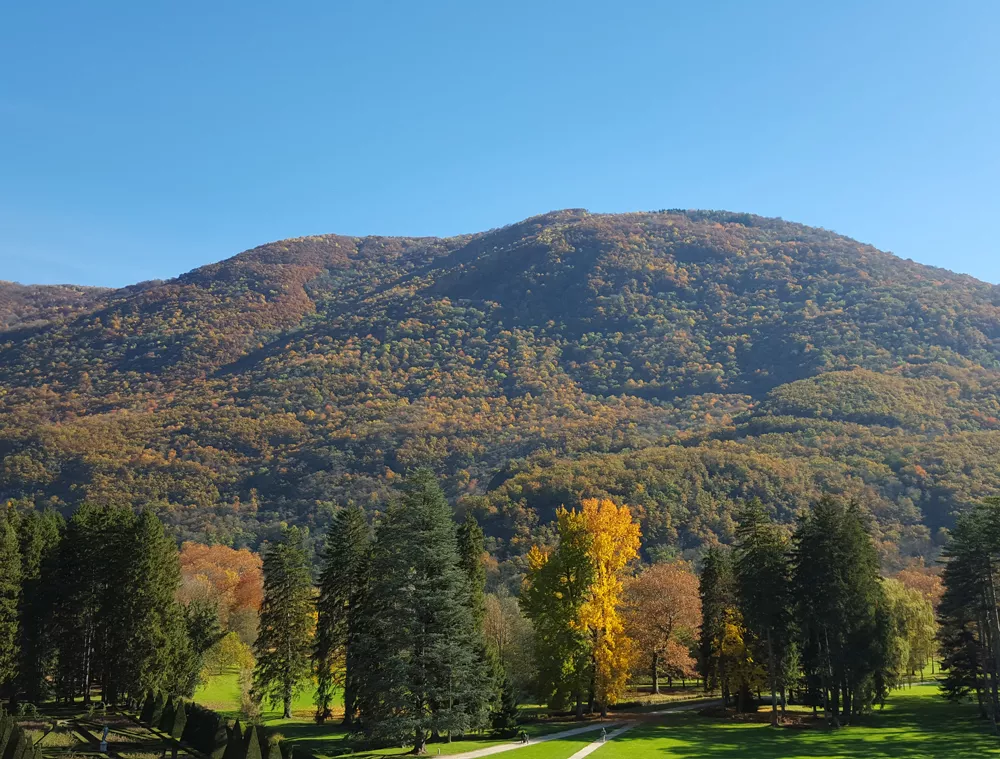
{"x": 207, "y": 731}
{"x": 14, "y": 743}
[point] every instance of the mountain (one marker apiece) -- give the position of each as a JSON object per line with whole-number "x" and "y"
{"x": 34, "y": 305}
{"x": 681, "y": 361}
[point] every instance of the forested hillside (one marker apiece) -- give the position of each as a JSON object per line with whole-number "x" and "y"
{"x": 681, "y": 362}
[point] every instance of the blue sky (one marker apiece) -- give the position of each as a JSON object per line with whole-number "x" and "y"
{"x": 139, "y": 140}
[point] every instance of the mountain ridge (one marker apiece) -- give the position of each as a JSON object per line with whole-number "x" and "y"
{"x": 311, "y": 372}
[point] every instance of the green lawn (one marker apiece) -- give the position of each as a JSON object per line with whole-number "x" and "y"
{"x": 329, "y": 740}
{"x": 222, "y": 694}
{"x": 562, "y": 748}
{"x": 916, "y": 724}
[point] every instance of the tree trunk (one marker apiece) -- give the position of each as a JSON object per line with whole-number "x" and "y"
{"x": 656, "y": 672}
{"x": 773, "y": 672}
{"x": 419, "y": 741}
{"x": 992, "y": 615}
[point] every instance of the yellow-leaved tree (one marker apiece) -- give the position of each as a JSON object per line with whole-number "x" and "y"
{"x": 614, "y": 543}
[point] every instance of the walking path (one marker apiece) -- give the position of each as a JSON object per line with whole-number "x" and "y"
{"x": 618, "y": 728}
{"x": 588, "y": 750}
{"x": 490, "y": 750}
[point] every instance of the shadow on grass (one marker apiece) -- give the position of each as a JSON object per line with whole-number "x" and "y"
{"x": 920, "y": 725}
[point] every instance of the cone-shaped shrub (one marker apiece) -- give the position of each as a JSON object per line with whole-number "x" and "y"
{"x": 234, "y": 747}
{"x": 146, "y": 715}
{"x": 252, "y": 744}
{"x": 167, "y": 717}
{"x": 15, "y": 744}
{"x": 220, "y": 742}
{"x": 180, "y": 719}
{"x": 6, "y": 729}
{"x": 157, "y": 713}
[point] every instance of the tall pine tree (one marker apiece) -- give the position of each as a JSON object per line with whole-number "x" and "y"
{"x": 841, "y": 608}
{"x": 969, "y": 615}
{"x": 284, "y": 644}
{"x": 10, "y": 596}
{"x": 343, "y": 582}
{"x": 418, "y": 663}
{"x": 763, "y": 579}
{"x": 717, "y": 588}
{"x": 153, "y": 628}
{"x": 39, "y": 536}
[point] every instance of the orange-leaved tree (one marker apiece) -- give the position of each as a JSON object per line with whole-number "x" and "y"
{"x": 663, "y": 613}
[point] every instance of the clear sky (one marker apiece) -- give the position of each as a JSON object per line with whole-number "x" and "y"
{"x": 141, "y": 139}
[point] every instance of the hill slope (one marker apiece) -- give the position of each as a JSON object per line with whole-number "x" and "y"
{"x": 679, "y": 360}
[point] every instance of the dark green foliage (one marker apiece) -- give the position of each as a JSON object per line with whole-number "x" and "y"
{"x": 148, "y": 709}
{"x": 969, "y": 616}
{"x": 116, "y": 618}
{"x": 159, "y": 704}
{"x": 417, "y": 664}
{"x": 471, "y": 550}
{"x": 179, "y": 721}
{"x": 764, "y": 588}
{"x": 204, "y": 630}
{"x": 219, "y": 744}
{"x": 718, "y": 592}
{"x": 283, "y": 645}
{"x": 39, "y": 535}
{"x": 167, "y": 716}
{"x": 235, "y": 745}
{"x": 503, "y": 718}
{"x": 16, "y": 743}
{"x": 841, "y": 609}
{"x": 343, "y": 581}
{"x": 251, "y": 744}
{"x": 205, "y": 730}
{"x": 6, "y": 731}
{"x": 10, "y": 596}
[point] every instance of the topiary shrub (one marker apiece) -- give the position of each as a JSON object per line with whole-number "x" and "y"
{"x": 180, "y": 719}
{"x": 146, "y": 715}
{"x": 157, "y": 714}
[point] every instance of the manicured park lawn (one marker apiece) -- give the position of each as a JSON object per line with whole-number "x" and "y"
{"x": 563, "y": 748}
{"x": 222, "y": 694}
{"x": 328, "y": 740}
{"x": 917, "y": 723}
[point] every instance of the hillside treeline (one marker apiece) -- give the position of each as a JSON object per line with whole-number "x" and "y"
{"x": 671, "y": 359}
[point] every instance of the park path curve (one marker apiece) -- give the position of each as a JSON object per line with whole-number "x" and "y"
{"x": 588, "y": 750}
{"x": 618, "y": 726}
{"x": 490, "y": 750}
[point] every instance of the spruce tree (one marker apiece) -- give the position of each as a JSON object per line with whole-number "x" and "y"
{"x": 10, "y": 597}
{"x": 717, "y": 588}
{"x": 418, "y": 664}
{"x": 343, "y": 581}
{"x": 840, "y": 608}
{"x": 153, "y": 630}
{"x": 969, "y": 634}
{"x": 763, "y": 579}
{"x": 485, "y": 696}
{"x": 283, "y": 646}
{"x": 471, "y": 549}
{"x": 39, "y": 536}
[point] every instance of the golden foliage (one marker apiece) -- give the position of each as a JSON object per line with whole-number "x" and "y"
{"x": 614, "y": 543}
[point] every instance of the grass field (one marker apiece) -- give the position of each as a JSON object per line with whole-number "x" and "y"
{"x": 222, "y": 694}
{"x": 917, "y": 723}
